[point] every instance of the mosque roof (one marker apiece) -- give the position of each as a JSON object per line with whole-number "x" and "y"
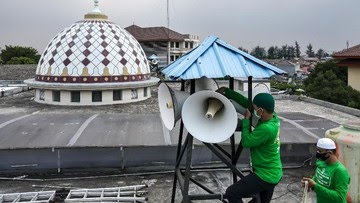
{"x": 215, "y": 58}
{"x": 93, "y": 50}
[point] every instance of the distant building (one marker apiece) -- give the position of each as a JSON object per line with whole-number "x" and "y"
{"x": 167, "y": 44}
{"x": 306, "y": 65}
{"x": 284, "y": 65}
{"x": 350, "y": 58}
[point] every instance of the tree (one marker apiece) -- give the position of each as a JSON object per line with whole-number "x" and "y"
{"x": 354, "y": 96}
{"x": 259, "y": 52}
{"x": 284, "y": 52}
{"x": 277, "y": 54}
{"x": 290, "y": 52}
{"x": 310, "y": 51}
{"x": 297, "y": 50}
{"x": 243, "y": 49}
{"x": 21, "y": 60}
{"x": 17, "y": 51}
{"x": 272, "y": 52}
{"x": 329, "y": 83}
{"x": 321, "y": 54}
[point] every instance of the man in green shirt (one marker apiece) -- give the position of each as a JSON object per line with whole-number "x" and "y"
{"x": 331, "y": 179}
{"x": 264, "y": 144}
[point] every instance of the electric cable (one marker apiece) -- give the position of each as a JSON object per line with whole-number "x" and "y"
{"x": 287, "y": 192}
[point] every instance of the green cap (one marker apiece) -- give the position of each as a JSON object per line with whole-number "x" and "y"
{"x": 265, "y": 101}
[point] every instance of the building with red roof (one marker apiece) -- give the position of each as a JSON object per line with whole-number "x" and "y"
{"x": 350, "y": 58}
{"x": 167, "y": 44}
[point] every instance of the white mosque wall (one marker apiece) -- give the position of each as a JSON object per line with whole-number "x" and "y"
{"x": 45, "y": 96}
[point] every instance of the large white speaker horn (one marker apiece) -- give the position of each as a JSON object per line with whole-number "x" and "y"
{"x": 170, "y": 104}
{"x": 203, "y": 83}
{"x": 260, "y": 88}
{"x": 212, "y": 123}
{"x": 154, "y": 62}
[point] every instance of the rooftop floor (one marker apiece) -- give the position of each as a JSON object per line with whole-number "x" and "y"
{"x": 160, "y": 183}
{"x": 26, "y": 124}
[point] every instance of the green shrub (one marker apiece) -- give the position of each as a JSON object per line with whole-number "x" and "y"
{"x": 21, "y": 60}
{"x": 329, "y": 83}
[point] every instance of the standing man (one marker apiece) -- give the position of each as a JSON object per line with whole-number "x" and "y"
{"x": 264, "y": 144}
{"x": 331, "y": 179}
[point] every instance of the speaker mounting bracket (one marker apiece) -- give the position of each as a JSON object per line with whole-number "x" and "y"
{"x": 183, "y": 176}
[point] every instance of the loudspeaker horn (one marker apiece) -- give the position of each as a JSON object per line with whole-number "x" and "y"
{"x": 258, "y": 88}
{"x": 211, "y": 129}
{"x": 203, "y": 83}
{"x": 154, "y": 61}
{"x": 170, "y": 104}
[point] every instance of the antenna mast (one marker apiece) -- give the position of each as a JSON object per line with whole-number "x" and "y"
{"x": 168, "y": 18}
{"x": 168, "y": 30}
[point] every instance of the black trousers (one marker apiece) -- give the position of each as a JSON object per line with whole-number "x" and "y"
{"x": 250, "y": 185}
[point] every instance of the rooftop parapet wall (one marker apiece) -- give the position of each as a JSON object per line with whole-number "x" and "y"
{"x": 17, "y": 72}
{"x": 344, "y": 109}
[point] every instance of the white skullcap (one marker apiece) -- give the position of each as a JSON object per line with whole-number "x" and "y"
{"x": 326, "y": 143}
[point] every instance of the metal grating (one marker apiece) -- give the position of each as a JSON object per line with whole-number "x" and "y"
{"x": 115, "y": 194}
{"x": 28, "y": 197}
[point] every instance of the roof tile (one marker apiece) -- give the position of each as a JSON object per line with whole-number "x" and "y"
{"x": 348, "y": 53}
{"x": 154, "y": 34}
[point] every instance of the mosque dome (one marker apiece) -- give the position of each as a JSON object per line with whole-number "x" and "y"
{"x": 93, "y": 50}
{"x": 92, "y": 62}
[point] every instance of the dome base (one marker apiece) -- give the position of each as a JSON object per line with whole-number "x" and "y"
{"x": 92, "y": 94}
{"x": 91, "y": 86}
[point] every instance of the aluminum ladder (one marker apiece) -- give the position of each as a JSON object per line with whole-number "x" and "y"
{"x": 28, "y": 197}
{"x": 115, "y": 194}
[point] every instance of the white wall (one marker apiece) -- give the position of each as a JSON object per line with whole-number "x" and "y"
{"x": 353, "y": 77}
{"x": 86, "y": 97}
{"x": 243, "y": 86}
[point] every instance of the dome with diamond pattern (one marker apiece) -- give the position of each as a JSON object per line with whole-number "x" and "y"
{"x": 93, "y": 50}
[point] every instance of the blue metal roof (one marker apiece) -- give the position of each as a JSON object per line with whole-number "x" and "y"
{"x": 215, "y": 58}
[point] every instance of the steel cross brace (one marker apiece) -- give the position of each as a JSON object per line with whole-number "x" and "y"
{"x": 184, "y": 177}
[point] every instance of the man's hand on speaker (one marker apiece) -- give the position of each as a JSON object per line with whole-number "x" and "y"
{"x": 247, "y": 114}
{"x": 221, "y": 90}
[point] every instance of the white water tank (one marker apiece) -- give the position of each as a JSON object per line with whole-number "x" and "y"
{"x": 347, "y": 139}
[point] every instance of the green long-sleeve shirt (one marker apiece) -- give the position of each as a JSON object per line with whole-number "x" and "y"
{"x": 240, "y": 99}
{"x": 263, "y": 141}
{"x": 264, "y": 144}
{"x": 331, "y": 182}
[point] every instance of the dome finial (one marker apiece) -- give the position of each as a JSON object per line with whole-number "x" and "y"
{"x": 96, "y": 13}
{"x": 96, "y": 7}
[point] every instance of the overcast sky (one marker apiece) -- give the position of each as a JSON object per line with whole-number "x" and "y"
{"x": 326, "y": 24}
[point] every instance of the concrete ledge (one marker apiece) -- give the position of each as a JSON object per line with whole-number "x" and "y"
{"x": 58, "y": 159}
{"x": 345, "y": 109}
{"x": 13, "y": 89}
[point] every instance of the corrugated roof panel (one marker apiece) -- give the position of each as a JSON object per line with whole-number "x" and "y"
{"x": 216, "y": 59}
{"x": 258, "y": 71}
